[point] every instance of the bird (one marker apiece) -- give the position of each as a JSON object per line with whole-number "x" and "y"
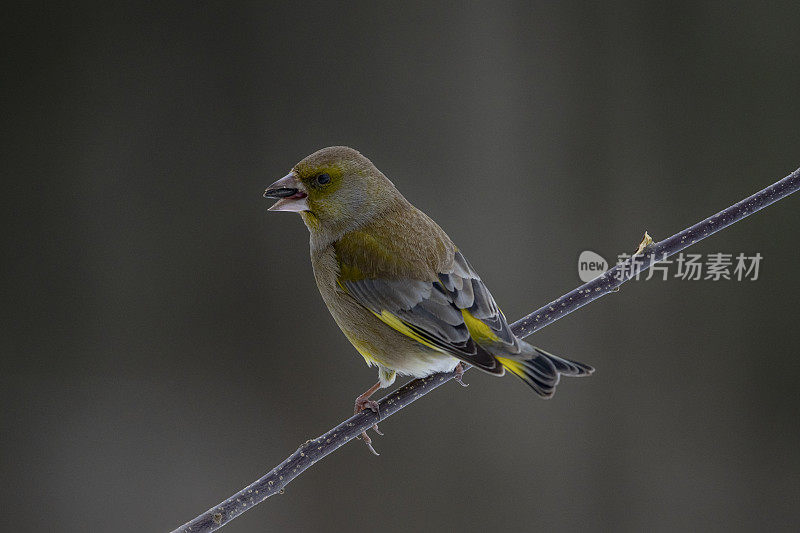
{"x": 397, "y": 286}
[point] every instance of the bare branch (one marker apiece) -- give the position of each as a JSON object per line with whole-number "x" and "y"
{"x": 314, "y": 450}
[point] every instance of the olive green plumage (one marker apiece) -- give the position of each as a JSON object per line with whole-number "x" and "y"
{"x": 395, "y": 283}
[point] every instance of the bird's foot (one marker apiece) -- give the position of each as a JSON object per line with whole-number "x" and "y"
{"x": 368, "y": 442}
{"x": 459, "y": 370}
{"x": 363, "y": 402}
{"x": 372, "y": 405}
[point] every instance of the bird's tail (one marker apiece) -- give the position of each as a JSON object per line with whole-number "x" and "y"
{"x": 541, "y": 370}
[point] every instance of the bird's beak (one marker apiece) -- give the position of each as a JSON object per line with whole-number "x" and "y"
{"x": 290, "y": 193}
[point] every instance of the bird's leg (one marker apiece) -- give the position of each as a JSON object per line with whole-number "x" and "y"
{"x": 363, "y": 402}
{"x": 459, "y": 370}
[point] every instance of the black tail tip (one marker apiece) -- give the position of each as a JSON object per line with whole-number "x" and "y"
{"x": 543, "y": 371}
{"x": 567, "y": 367}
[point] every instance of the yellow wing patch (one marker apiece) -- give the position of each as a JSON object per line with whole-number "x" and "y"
{"x": 478, "y": 330}
{"x": 395, "y": 323}
{"x": 513, "y": 366}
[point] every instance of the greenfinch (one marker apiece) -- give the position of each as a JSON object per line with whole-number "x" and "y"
{"x": 398, "y": 288}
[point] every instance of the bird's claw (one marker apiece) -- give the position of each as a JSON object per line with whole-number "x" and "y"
{"x": 361, "y": 405}
{"x": 368, "y": 442}
{"x": 459, "y": 374}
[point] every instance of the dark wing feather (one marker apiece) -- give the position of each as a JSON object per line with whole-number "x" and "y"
{"x": 432, "y": 311}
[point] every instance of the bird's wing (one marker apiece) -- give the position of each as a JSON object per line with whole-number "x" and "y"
{"x": 455, "y": 314}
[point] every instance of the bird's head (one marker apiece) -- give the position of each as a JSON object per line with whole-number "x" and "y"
{"x": 335, "y": 189}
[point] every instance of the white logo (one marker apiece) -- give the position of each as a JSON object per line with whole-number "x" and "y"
{"x": 591, "y": 265}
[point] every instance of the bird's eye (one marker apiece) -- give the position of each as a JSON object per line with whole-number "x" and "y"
{"x": 322, "y": 179}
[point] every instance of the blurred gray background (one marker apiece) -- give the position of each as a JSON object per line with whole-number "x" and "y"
{"x": 163, "y": 340}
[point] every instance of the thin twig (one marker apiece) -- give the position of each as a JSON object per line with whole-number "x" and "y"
{"x": 314, "y": 450}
